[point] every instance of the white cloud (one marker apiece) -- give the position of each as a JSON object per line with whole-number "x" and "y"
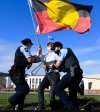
{"x": 6, "y": 55}
{"x": 91, "y": 67}
{"x": 88, "y": 50}
{"x": 89, "y": 63}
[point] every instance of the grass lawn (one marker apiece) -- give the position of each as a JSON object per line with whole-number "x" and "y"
{"x": 31, "y": 99}
{"x": 4, "y": 98}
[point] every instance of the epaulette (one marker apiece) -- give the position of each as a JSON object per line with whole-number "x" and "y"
{"x": 26, "y": 49}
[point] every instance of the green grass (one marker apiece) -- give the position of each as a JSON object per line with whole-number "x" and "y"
{"x": 3, "y": 99}
{"x": 32, "y": 99}
{"x": 97, "y": 97}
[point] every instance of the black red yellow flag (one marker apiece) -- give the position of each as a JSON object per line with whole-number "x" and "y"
{"x": 55, "y": 15}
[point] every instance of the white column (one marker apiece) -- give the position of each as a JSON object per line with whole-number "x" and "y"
{"x": 38, "y": 83}
{"x": 34, "y": 83}
{"x": 31, "y": 83}
{"x": 28, "y": 81}
{"x": 86, "y": 85}
{"x": 8, "y": 82}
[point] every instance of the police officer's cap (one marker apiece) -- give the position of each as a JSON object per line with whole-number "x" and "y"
{"x": 57, "y": 44}
{"x": 26, "y": 41}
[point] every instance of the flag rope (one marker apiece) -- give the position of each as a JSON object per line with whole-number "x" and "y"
{"x": 36, "y": 68}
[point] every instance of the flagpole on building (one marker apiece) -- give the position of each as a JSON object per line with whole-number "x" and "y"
{"x": 29, "y": 4}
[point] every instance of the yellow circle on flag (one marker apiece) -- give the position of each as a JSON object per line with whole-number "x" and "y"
{"x": 62, "y": 13}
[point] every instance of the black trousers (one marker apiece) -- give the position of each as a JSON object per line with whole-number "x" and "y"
{"x": 22, "y": 89}
{"x": 72, "y": 83}
{"x": 50, "y": 79}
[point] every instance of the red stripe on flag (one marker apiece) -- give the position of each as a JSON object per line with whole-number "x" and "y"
{"x": 46, "y": 24}
{"x": 83, "y": 25}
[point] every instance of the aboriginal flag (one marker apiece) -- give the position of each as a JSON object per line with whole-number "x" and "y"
{"x": 55, "y": 15}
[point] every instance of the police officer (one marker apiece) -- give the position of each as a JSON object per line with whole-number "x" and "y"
{"x": 23, "y": 59}
{"x": 51, "y": 79}
{"x": 81, "y": 88}
{"x": 68, "y": 63}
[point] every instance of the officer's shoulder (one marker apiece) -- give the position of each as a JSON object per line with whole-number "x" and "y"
{"x": 24, "y": 48}
{"x": 64, "y": 50}
{"x": 68, "y": 48}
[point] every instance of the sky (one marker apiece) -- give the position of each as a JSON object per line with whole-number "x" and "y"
{"x": 16, "y": 24}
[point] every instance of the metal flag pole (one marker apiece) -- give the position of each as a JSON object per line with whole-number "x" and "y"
{"x": 30, "y": 8}
{"x": 30, "y": 4}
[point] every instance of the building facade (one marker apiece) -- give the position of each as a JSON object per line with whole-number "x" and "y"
{"x": 34, "y": 81}
{"x": 90, "y": 83}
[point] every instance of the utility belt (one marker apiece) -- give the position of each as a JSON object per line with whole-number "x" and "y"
{"x": 53, "y": 70}
{"x": 75, "y": 71}
{"x": 72, "y": 70}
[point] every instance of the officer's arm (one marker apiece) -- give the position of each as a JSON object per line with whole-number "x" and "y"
{"x": 36, "y": 59}
{"x": 54, "y": 66}
{"x": 27, "y": 54}
{"x": 59, "y": 60}
{"x": 31, "y": 59}
{"x": 58, "y": 64}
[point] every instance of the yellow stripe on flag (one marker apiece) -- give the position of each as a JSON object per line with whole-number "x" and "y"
{"x": 62, "y": 13}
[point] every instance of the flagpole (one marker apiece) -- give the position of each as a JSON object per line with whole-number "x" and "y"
{"x": 33, "y": 23}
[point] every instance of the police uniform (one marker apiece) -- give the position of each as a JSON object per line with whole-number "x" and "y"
{"x": 51, "y": 79}
{"x": 17, "y": 75}
{"x": 81, "y": 88}
{"x": 71, "y": 80}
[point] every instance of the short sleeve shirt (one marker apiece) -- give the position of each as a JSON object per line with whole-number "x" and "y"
{"x": 50, "y": 58}
{"x": 62, "y": 54}
{"x": 25, "y": 51}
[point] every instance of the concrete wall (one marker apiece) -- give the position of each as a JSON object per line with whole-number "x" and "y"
{"x": 92, "y": 84}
